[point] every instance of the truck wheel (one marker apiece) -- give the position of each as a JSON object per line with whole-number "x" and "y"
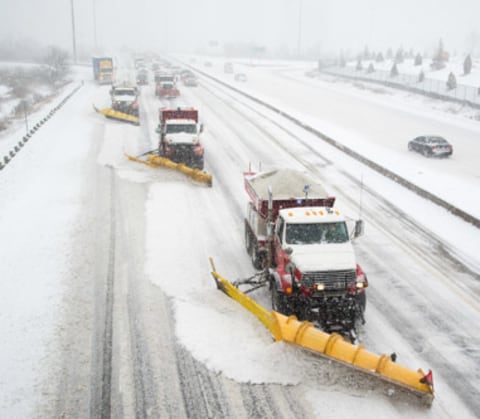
{"x": 277, "y": 303}
{"x": 362, "y": 301}
{"x": 199, "y": 163}
{"x": 248, "y": 240}
{"x": 257, "y": 259}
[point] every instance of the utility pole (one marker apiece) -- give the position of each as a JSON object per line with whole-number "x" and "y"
{"x": 95, "y": 25}
{"x": 25, "y": 115}
{"x": 299, "y": 39}
{"x": 73, "y": 34}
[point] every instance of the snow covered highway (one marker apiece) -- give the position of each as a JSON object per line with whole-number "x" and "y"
{"x": 108, "y": 305}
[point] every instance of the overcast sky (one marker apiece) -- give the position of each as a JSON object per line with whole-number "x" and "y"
{"x": 326, "y": 25}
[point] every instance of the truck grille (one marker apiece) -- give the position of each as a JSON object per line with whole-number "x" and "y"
{"x": 335, "y": 281}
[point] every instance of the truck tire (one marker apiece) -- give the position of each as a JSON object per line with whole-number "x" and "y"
{"x": 257, "y": 258}
{"x": 198, "y": 163}
{"x": 248, "y": 240}
{"x": 362, "y": 301}
{"x": 277, "y": 300}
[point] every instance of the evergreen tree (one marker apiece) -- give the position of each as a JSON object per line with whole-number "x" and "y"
{"x": 370, "y": 68}
{"x": 467, "y": 65}
{"x": 451, "y": 82}
{"x": 418, "y": 59}
{"x": 379, "y": 58}
{"x": 394, "y": 70}
{"x": 366, "y": 53}
{"x": 421, "y": 76}
{"x": 399, "y": 56}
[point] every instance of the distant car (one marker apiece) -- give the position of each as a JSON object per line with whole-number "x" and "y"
{"x": 228, "y": 68}
{"x": 240, "y": 77}
{"x": 190, "y": 81}
{"x": 431, "y": 146}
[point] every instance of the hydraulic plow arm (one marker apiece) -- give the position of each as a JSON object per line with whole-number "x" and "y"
{"x": 156, "y": 162}
{"x": 332, "y": 346}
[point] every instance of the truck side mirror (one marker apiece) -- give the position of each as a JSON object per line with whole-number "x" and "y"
{"x": 359, "y": 228}
{"x": 290, "y": 268}
{"x": 201, "y": 127}
{"x": 158, "y": 130}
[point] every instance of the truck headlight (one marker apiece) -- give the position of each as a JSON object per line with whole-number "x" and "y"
{"x": 319, "y": 287}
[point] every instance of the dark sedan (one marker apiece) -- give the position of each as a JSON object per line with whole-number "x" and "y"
{"x": 431, "y": 146}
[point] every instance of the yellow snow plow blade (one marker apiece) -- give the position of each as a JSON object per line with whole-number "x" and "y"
{"x": 156, "y": 162}
{"x": 332, "y": 346}
{"x": 117, "y": 115}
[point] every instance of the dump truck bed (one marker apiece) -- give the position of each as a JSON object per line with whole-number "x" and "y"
{"x": 166, "y": 114}
{"x": 290, "y": 188}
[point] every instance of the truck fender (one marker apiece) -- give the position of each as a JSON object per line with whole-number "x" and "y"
{"x": 276, "y": 280}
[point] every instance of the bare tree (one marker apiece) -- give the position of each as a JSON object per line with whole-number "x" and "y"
{"x": 359, "y": 65}
{"x": 57, "y": 62}
{"x": 440, "y": 58}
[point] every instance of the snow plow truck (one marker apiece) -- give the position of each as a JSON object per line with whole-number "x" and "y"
{"x": 294, "y": 232}
{"x": 179, "y": 146}
{"x": 125, "y": 99}
{"x": 179, "y": 133}
{"x": 124, "y": 108}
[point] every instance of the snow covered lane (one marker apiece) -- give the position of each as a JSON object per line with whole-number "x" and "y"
{"x": 46, "y": 261}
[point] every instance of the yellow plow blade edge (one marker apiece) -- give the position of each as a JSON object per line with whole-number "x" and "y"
{"x": 331, "y": 346}
{"x": 156, "y": 162}
{"x": 119, "y": 116}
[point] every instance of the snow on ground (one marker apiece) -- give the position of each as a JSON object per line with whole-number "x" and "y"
{"x": 377, "y": 138}
{"x": 33, "y": 282}
{"x": 39, "y": 222}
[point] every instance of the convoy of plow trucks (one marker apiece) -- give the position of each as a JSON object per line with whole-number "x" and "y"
{"x": 298, "y": 240}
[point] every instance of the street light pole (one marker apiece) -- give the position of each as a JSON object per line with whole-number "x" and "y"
{"x": 73, "y": 34}
{"x": 95, "y": 24}
{"x": 25, "y": 115}
{"x": 299, "y": 39}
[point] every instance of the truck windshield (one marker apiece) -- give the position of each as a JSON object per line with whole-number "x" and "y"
{"x": 186, "y": 128}
{"x": 316, "y": 233}
{"x": 124, "y": 92}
